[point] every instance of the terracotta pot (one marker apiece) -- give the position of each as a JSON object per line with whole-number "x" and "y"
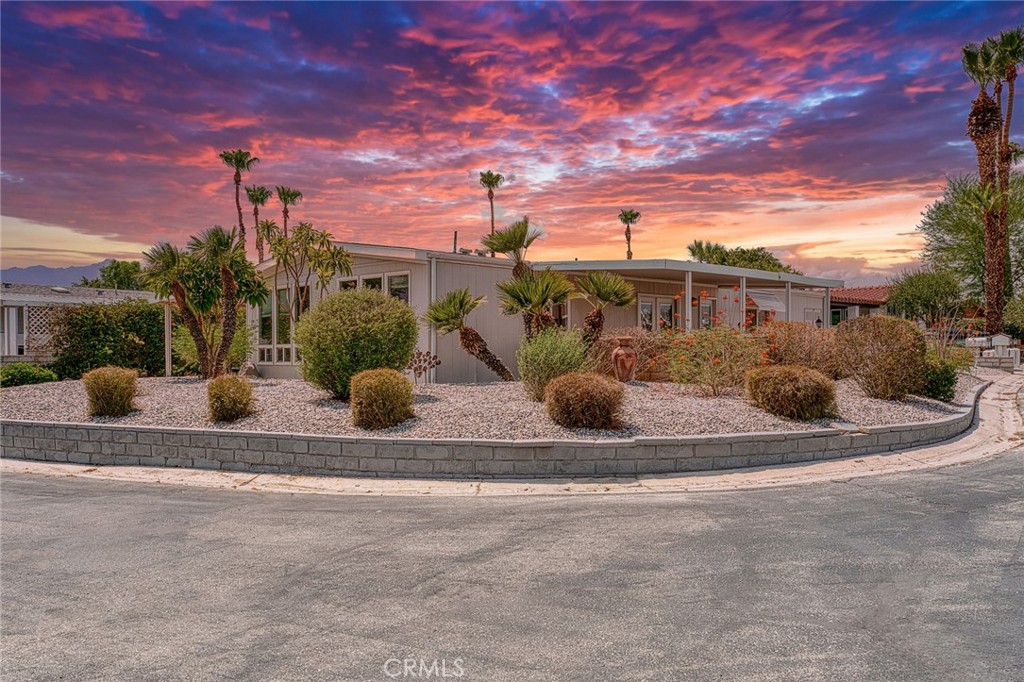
{"x": 624, "y": 359}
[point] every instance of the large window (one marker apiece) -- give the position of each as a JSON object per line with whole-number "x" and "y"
{"x": 284, "y": 320}
{"x": 266, "y": 322}
{"x": 647, "y": 315}
{"x": 374, "y": 282}
{"x": 398, "y": 286}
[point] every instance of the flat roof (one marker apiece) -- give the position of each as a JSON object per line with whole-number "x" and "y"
{"x": 11, "y": 292}
{"x": 667, "y": 268}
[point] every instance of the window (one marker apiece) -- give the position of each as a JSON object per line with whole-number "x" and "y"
{"x": 560, "y": 311}
{"x": 375, "y": 282}
{"x": 266, "y": 322}
{"x": 665, "y": 310}
{"x": 706, "y": 318}
{"x": 647, "y": 315}
{"x": 347, "y": 284}
{"x": 266, "y": 355}
{"x": 398, "y": 286}
{"x": 284, "y": 321}
{"x": 284, "y": 354}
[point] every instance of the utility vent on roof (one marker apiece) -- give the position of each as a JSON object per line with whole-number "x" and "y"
{"x": 60, "y": 290}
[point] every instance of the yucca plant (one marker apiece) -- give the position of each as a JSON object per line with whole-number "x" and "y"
{"x": 449, "y": 314}
{"x": 532, "y": 295}
{"x": 513, "y": 241}
{"x": 601, "y": 289}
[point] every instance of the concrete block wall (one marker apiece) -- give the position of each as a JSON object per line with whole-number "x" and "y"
{"x": 111, "y": 444}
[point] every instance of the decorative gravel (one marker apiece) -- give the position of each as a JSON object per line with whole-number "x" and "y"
{"x": 481, "y": 411}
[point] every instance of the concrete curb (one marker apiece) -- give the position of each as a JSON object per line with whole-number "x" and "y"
{"x": 998, "y": 430}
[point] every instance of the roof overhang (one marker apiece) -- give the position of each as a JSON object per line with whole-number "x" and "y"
{"x": 675, "y": 269}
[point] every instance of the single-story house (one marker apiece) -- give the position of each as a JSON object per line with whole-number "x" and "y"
{"x": 26, "y": 310}
{"x": 663, "y": 286}
{"x": 851, "y": 302}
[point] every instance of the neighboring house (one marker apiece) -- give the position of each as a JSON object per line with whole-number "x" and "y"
{"x": 851, "y": 302}
{"x": 26, "y": 310}
{"x": 419, "y": 276}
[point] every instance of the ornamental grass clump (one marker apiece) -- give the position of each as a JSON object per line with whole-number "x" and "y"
{"x": 111, "y": 391}
{"x": 792, "y": 392}
{"x": 550, "y": 354}
{"x": 584, "y": 400}
{"x": 381, "y": 398}
{"x": 885, "y": 355}
{"x": 230, "y": 398}
{"x": 24, "y": 373}
{"x": 352, "y": 331}
{"x": 716, "y": 359}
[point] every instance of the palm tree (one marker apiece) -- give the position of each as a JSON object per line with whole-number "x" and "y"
{"x": 218, "y": 248}
{"x": 239, "y": 160}
{"x": 602, "y": 288}
{"x": 288, "y": 197}
{"x": 491, "y": 181}
{"x": 1009, "y": 47}
{"x": 513, "y": 241}
{"x": 164, "y": 272}
{"x": 258, "y": 196}
{"x": 628, "y": 217}
{"x": 449, "y": 314}
{"x": 533, "y": 295}
{"x": 708, "y": 252}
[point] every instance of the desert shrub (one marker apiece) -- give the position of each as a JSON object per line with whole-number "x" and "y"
{"x": 23, "y": 373}
{"x": 550, "y": 354}
{"x": 111, "y": 391}
{"x": 585, "y": 400}
{"x": 652, "y": 348}
{"x": 800, "y": 343}
{"x": 187, "y": 358}
{"x": 122, "y": 334}
{"x": 715, "y": 359}
{"x": 352, "y": 331}
{"x": 939, "y": 378}
{"x": 885, "y": 355}
{"x": 961, "y": 357}
{"x": 230, "y": 398}
{"x": 792, "y": 391}
{"x": 380, "y": 398}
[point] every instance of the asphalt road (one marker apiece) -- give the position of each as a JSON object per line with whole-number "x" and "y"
{"x": 903, "y": 577}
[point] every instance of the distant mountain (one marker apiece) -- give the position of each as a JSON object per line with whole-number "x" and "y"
{"x": 43, "y": 274}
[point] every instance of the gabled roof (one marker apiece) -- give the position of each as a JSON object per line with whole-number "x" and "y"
{"x": 873, "y": 295}
{"x": 43, "y": 294}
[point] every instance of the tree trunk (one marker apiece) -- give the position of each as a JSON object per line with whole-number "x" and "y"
{"x": 256, "y": 227}
{"x": 229, "y": 322}
{"x": 284, "y": 213}
{"x": 475, "y": 345}
{"x": 195, "y": 329}
{"x": 984, "y": 127}
{"x": 593, "y": 325}
{"x": 490, "y": 199}
{"x": 629, "y": 237}
{"x": 238, "y": 204}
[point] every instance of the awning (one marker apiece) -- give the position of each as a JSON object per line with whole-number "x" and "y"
{"x": 764, "y": 301}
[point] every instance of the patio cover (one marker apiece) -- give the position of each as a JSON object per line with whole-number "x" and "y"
{"x": 763, "y": 301}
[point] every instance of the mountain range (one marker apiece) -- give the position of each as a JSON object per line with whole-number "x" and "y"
{"x": 44, "y": 274}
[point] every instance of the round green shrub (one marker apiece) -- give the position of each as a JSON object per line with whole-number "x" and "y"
{"x": 884, "y": 355}
{"x": 939, "y": 378}
{"x": 552, "y": 353}
{"x": 352, "y": 331}
{"x": 23, "y": 373}
{"x": 381, "y": 398}
{"x": 111, "y": 391}
{"x": 584, "y": 400}
{"x": 230, "y": 398}
{"x": 792, "y": 391}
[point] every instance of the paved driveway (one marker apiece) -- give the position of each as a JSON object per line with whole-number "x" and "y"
{"x": 906, "y": 577}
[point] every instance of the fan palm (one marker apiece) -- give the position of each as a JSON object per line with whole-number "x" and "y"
{"x": 164, "y": 272}
{"x": 258, "y": 196}
{"x": 513, "y": 241}
{"x": 241, "y": 161}
{"x": 628, "y": 217}
{"x": 288, "y": 197}
{"x": 221, "y": 249}
{"x": 491, "y": 181}
{"x": 449, "y": 314}
{"x": 601, "y": 289}
{"x": 533, "y": 295}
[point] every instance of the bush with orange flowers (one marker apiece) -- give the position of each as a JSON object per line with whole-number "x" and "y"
{"x": 716, "y": 359}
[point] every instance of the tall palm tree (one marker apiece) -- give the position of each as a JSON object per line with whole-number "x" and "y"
{"x": 288, "y": 197}
{"x": 708, "y": 252}
{"x": 258, "y": 196}
{"x": 601, "y": 289}
{"x": 628, "y": 217}
{"x": 241, "y": 161}
{"x": 449, "y": 314}
{"x": 533, "y": 295}
{"x": 491, "y": 181}
{"x": 221, "y": 249}
{"x": 1009, "y": 47}
{"x": 164, "y": 272}
{"x": 513, "y": 241}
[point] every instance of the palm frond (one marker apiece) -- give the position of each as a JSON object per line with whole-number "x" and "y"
{"x": 490, "y": 180}
{"x": 602, "y": 288}
{"x": 629, "y": 217}
{"x": 534, "y": 292}
{"x": 449, "y": 312}
{"x": 514, "y": 240}
{"x": 258, "y": 195}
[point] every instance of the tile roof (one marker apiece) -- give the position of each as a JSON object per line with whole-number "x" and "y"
{"x": 876, "y": 295}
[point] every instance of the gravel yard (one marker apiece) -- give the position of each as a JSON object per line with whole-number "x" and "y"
{"x": 482, "y": 411}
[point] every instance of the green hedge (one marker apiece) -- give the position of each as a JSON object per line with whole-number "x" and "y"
{"x": 123, "y": 334}
{"x": 23, "y": 373}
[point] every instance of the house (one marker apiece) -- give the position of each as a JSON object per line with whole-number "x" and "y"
{"x": 26, "y": 311}
{"x": 663, "y": 286}
{"x": 851, "y": 302}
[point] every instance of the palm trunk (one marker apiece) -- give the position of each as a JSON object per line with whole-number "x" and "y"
{"x": 593, "y": 326}
{"x": 629, "y": 238}
{"x": 238, "y": 204}
{"x": 256, "y": 227}
{"x": 229, "y": 322}
{"x": 475, "y": 345}
{"x": 984, "y": 127}
{"x": 490, "y": 199}
{"x": 284, "y": 214}
{"x": 195, "y": 329}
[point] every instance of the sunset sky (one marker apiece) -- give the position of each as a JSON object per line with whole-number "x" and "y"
{"x": 818, "y": 130}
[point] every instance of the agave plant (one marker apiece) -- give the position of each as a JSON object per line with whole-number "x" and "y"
{"x": 513, "y": 241}
{"x": 449, "y": 314}
{"x": 602, "y": 289}
{"x": 533, "y": 295}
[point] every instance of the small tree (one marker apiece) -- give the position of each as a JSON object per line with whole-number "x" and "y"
{"x": 602, "y": 289}
{"x": 926, "y": 295}
{"x": 124, "y": 275}
{"x": 533, "y": 295}
{"x": 513, "y": 241}
{"x": 449, "y": 314}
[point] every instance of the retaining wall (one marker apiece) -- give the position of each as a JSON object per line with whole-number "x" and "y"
{"x": 106, "y": 444}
